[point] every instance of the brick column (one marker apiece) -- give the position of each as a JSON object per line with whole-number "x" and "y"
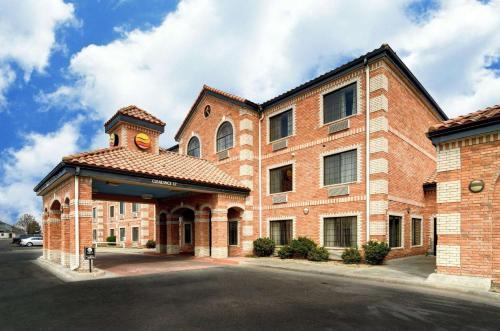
{"x": 173, "y": 244}
{"x": 161, "y": 233}
{"x": 495, "y": 279}
{"x": 85, "y": 223}
{"x": 55, "y": 235}
{"x": 45, "y": 229}
{"x": 65, "y": 239}
{"x": 201, "y": 228}
{"x": 219, "y": 233}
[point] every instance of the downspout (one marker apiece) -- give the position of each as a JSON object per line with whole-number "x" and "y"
{"x": 77, "y": 219}
{"x": 367, "y": 148}
{"x": 260, "y": 170}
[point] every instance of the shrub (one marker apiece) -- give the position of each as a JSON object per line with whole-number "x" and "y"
{"x": 319, "y": 254}
{"x": 263, "y": 247}
{"x": 302, "y": 246}
{"x": 111, "y": 239}
{"x": 351, "y": 256}
{"x": 150, "y": 244}
{"x": 285, "y": 252}
{"x": 375, "y": 252}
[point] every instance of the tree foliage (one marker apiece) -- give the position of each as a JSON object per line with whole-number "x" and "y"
{"x": 28, "y": 223}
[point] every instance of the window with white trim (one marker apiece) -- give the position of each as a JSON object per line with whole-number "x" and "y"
{"x": 281, "y": 179}
{"x": 233, "y": 232}
{"x": 135, "y": 234}
{"x": 111, "y": 211}
{"x": 135, "y": 207}
{"x": 94, "y": 213}
{"x": 224, "y": 137}
{"x": 340, "y": 231}
{"x": 395, "y": 231}
{"x": 122, "y": 234}
{"x": 340, "y": 168}
{"x": 122, "y": 208}
{"x": 416, "y": 231}
{"x": 94, "y": 234}
{"x": 281, "y": 231}
{"x": 193, "y": 148}
{"x": 281, "y": 125}
{"x": 339, "y": 104}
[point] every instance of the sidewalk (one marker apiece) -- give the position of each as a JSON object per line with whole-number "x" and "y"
{"x": 416, "y": 271}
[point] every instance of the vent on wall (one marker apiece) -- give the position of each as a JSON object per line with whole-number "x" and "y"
{"x": 223, "y": 155}
{"x": 338, "y": 126}
{"x": 280, "y": 145}
{"x": 338, "y": 190}
{"x": 280, "y": 198}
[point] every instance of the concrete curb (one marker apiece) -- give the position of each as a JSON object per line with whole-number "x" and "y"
{"x": 67, "y": 275}
{"x": 386, "y": 280}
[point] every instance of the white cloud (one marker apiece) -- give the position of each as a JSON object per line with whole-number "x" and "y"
{"x": 27, "y": 36}
{"x": 258, "y": 49}
{"x": 22, "y": 168}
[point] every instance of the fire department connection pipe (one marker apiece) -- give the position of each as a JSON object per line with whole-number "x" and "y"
{"x": 367, "y": 148}
{"x": 77, "y": 220}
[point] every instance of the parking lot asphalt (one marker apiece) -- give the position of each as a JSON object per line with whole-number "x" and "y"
{"x": 226, "y": 297}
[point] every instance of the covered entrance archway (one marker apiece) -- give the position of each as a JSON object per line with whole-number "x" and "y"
{"x": 192, "y": 196}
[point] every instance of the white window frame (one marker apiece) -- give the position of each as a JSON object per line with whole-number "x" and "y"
{"x": 402, "y": 215}
{"x": 120, "y": 235}
{"x": 335, "y": 88}
{"x": 277, "y": 112}
{"x": 421, "y": 218}
{"x": 138, "y": 233}
{"x": 348, "y": 214}
{"x": 279, "y": 165}
{"x": 193, "y": 135}
{"x": 124, "y": 208}
{"x": 94, "y": 213}
{"x": 237, "y": 232}
{"x": 282, "y": 218}
{"x": 338, "y": 151}
{"x": 114, "y": 212}
{"x": 224, "y": 119}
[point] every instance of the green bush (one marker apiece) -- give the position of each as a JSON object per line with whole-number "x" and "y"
{"x": 111, "y": 239}
{"x": 375, "y": 252}
{"x": 351, "y": 256}
{"x": 150, "y": 244}
{"x": 302, "y": 246}
{"x": 285, "y": 252}
{"x": 319, "y": 254}
{"x": 263, "y": 247}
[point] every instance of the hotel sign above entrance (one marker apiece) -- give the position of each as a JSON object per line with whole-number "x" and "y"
{"x": 163, "y": 182}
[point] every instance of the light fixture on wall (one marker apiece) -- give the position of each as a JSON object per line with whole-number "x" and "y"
{"x": 306, "y": 211}
{"x": 476, "y": 186}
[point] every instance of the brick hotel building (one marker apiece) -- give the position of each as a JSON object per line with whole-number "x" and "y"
{"x": 341, "y": 159}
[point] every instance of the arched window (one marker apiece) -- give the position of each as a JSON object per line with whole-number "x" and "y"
{"x": 194, "y": 147}
{"x": 225, "y": 137}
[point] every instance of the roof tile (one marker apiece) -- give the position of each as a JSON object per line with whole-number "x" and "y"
{"x": 136, "y": 112}
{"x": 477, "y": 116}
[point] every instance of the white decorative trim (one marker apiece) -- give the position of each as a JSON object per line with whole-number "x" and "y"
{"x": 317, "y": 202}
{"x": 282, "y": 218}
{"x": 359, "y": 163}
{"x": 359, "y": 111}
{"x": 277, "y": 112}
{"x": 406, "y": 201}
{"x": 448, "y": 256}
{"x": 411, "y": 143}
{"x": 449, "y": 223}
{"x": 246, "y": 124}
{"x": 224, "y": 119}
{"x": 448, "y": 159}
{"x": 379, "y": 166}
{"x": 193, "y": 135}
{"x": 379, "y": 82}
{"x": 448, "y": 191}
{"x": 379, "y": 145}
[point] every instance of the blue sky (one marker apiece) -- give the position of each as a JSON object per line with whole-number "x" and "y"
{"x": 69, "y": 65}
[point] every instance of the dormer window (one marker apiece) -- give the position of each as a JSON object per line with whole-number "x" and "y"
{"x": 224, "y": 137}
{"x": 339, "y": 104}
{"x": 193, "y": 148}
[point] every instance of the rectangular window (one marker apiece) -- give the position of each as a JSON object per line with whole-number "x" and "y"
{"x": 233, "y": 233}
{"x": 111, "y": 211}
{"x": 281, "y": 179}
{"x": 339, "y": 104}
{"x": 281, "y": 232}
{"x": 340, "y": 168}
{"x": 395, "y": 231}
{"x": 122, "y": 208}
{"x": 340, "y": 231}
{"x": 416, "y": 231}
{"x": 135, "y": 207}
{"x": 94, "y": 234}
{"x": 187, "y": 233}
{"x": 94, "y": 213}
{"x": 135, "y": 234}
{"x": 122, "y": 234}
{"x": 111, "y": 232}
{"x": 281, "y": 125}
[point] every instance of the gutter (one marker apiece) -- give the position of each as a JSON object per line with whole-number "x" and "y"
{"x": 367, "y": 148}
{"x": 260, "y": 170}
{"x": 77, "y": 219}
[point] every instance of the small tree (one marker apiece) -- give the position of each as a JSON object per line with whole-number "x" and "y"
{"x": 25, "y": 222}
{"x": 33, "y": 227}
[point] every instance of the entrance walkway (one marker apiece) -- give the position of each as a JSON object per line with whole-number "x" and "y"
{"x": 123, "y": 264}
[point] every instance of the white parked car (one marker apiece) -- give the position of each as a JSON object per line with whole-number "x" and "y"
{"x": 32, "y": 241}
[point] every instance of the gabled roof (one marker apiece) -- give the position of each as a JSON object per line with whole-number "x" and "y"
{"x": 218, "y": 94}
{"x": 135, "y": 113}
{"x": 477, "y": 117}
{"x": 166, "y": 164}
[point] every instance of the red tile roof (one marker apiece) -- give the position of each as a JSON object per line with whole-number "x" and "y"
{"x": 431, "y": 179}
{"x": 477, "y": 116}
{"x": 167, "y": 164}
{"x": 138, "y": 113}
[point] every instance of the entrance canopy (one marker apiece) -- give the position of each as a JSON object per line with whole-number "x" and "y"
{"x": 121, "y": 174}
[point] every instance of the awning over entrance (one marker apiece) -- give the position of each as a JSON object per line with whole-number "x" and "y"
{"x": 118, "y": 172}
